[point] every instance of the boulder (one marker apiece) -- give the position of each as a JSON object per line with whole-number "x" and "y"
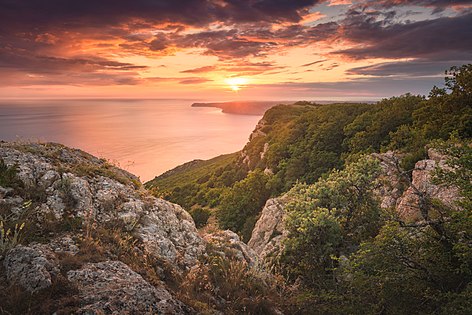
{"x": 111, "y": 287}
{"x": 32, "y": 267}
{"x": 229, "y": 245}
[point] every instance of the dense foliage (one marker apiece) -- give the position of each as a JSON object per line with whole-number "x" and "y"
{"x": 330, "y": 218}
{"x": 303, "y": 141}
{"x": 385, "y": 265}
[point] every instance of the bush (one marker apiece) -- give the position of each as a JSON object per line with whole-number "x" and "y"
{"x": 243, "y": 202}
{"x": 200, "y": 216}
{"x": 229, "y": 286}
{"x": 8, "y": 176}
{"x": 330, "y": 218}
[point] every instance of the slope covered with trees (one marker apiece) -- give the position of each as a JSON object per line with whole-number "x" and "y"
{"x": 304, "y": 141}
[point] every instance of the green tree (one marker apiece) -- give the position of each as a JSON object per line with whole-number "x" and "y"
{"x": 244, "y": 202}
{"x": 329, "y": 219}
{"x": 422, "y": 267}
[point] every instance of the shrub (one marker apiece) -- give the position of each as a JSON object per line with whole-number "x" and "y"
{"x": 230, "y": 286}
{"x": 8, "y": 175}
{"x": 200, "y": 216}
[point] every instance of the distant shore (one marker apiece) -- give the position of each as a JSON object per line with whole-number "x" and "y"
{"x": 260, "y": 107}
{"x": 241, "y": 108}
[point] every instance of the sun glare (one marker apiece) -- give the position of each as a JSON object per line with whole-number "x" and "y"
{"x": 236, "y": 84}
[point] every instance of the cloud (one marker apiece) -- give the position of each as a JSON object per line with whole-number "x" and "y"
{"x": 200, "y": 69}
{"x": 445, "y": 38}
{"x": 194, "y": 81}
{"x": 363, "y": 89}
{"x": 313, "y": 63}
{"x": 406, "y": 68}
{"x": 28, "y": 14}
{"x": 55, "y": 41}
{"x": 437, "y": 5}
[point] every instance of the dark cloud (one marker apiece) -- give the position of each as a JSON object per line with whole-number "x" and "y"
{"x": 367, "y": 89}
{"x": 160, "y": 42}
{"x": 406, "y": 68}
{"x": 17, "y": 60}
{"x": 313, "y": 63}
{"x": 437, "y": 5}
{"x": 445, "y": 38}
{"x": 98, "y": 13}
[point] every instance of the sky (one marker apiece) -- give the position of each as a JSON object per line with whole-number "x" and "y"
{"x": 230, "y": 49}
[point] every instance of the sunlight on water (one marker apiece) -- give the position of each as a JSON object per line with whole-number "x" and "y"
{"x": 145, "y": 137}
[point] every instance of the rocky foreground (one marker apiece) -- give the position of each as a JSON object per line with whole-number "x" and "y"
{"x": 92, "y": 233}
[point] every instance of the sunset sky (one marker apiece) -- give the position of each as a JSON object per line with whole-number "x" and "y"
{"x": 230, "y": 49}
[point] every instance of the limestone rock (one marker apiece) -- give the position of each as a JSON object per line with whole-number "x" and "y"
{"x": 32, "y": 267}
{"x": 421, "y": 183}
{"x": 168, "y": 231}
{"x": 111, "y": 287}
{"x": 269, "y": 230}
{"x": 228, "y": 244}
{"x": 391, "y": 185}
{"x": 80, "y": 187}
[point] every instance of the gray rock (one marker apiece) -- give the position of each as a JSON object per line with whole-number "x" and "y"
{"x": 228, "y": 244}
{"x": 390, "y": 184}
{"x": 64, "y": 244}
{"x": 74, "y": 185}
{"x": 169, "y": 232}
{"x": 32, "y": 267}
{"x": 269, "y": 231}
{"x": 111, "y": 287}
{"x": 421, "y": 183}
{"x": 5, "y": 192}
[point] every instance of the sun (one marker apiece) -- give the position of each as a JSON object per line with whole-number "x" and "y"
{"x": 236, "y": 84}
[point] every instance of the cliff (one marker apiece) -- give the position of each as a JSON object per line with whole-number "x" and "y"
{"x": 85, "y": 237}
{"x": 394, "y": 191}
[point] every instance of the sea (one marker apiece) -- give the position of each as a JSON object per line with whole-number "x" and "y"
{"x": 144, "y": 137}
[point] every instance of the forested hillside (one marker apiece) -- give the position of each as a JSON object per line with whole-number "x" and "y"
{"x": 303, "y": 141}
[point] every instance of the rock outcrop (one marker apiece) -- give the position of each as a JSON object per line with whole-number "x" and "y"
{"x": 393, "y": 190}
{"x": 66, "y": 196}
{"x": 269, "y": 230}
{"x": 31, "y": 267}
{"x": 111, "y": 287}
{"x": 228, "y": 244}
{"x": 422, "y": 184}
{"x": 390, "y": 183}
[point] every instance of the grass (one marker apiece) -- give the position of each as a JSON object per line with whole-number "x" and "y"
{"x": 230, "y": 286}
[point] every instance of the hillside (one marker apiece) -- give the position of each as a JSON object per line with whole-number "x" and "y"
{"x": 372, "y": 207}
{"x": 81, "y": 236}
{"x": 190, "y": 171}
{"x": 302, "y": 142}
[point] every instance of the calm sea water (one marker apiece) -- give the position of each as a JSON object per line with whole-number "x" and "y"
{"x": 145, "y": 137}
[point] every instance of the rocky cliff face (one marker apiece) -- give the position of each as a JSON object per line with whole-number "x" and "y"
{"x": 422, "y": 184}
{"x": 394, "y": 191}
{"x": 269, "y": 230}
{"x": 91, "y": 227}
